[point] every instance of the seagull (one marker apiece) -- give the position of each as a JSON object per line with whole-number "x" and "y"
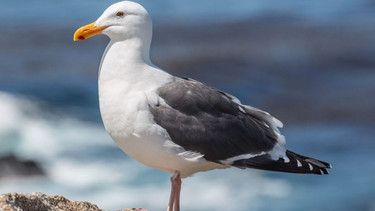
{"x": 179, "y": 125}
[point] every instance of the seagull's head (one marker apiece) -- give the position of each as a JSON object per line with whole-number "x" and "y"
{"x": 121, "y": 21}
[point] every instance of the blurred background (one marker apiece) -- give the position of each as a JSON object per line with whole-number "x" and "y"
{"x": 309, "y": 63}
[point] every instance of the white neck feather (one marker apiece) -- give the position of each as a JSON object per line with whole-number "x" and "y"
{"x": 127, "y": 64}
{"x": 125, "y": 57}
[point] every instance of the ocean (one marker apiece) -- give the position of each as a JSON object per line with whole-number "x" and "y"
{"x": 309, "y": 63}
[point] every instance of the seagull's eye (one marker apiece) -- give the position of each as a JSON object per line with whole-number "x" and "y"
{"x": 120, "y": 14}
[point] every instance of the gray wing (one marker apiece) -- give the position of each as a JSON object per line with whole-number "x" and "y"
{"x": 210, "y": 122}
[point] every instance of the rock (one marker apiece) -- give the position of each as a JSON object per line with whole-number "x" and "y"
{"x": 11, "y": 166}
{"x": 39, "y": 202}
{"x": 43, "y": 202}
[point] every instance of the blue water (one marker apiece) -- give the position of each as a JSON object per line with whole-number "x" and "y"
{"x": 187, "y": 11}
{"x": 49, "y": 110}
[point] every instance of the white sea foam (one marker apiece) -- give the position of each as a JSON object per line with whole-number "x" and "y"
{"x": 109, "y": 179}
{"x": 27, "y": 134}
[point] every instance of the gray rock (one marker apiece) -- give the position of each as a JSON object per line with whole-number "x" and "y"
{"x": 43, "y": 202}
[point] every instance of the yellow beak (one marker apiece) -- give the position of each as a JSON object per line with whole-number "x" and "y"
{"x": 87, "y": 31}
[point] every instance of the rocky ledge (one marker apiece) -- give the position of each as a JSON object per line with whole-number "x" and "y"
{"x": 43, "y": 202}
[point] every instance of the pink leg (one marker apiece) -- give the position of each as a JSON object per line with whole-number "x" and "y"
{"x": 177, "y": 193}
{"x": 174, "y": 198}
{"x": 171, "y": 196}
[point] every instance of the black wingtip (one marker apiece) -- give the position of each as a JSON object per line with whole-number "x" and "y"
{"x": 323, "y": 171}
{"x": 294, "y": 164}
